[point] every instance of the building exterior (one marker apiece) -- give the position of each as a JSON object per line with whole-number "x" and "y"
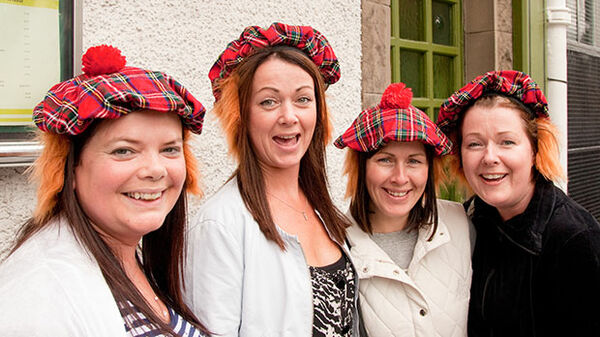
{"x": 434, "y": 46}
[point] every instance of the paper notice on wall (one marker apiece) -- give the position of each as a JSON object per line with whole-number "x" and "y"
{"x": 29, "y": 56}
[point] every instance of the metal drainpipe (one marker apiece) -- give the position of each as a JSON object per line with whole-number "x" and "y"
{"x": 558, "y": 17}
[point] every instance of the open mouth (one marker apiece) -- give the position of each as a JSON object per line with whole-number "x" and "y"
{"x": 144, "y": 196}
{"x": 396, "y": 194}
{"x": 493, "y": 177}
{"x": 287, "y": 140}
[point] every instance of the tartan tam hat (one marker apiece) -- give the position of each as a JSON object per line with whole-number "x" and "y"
{"x": 393, "y": 119}
{"x": 510, "y": 83}
{"x": 305, "y": 38}
{"x": 109, "y": 89}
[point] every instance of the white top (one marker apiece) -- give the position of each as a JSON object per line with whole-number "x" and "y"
{"x": 240, "y": 284}
{"x": 432, "y": 297}
{"x": 51, "y": 286}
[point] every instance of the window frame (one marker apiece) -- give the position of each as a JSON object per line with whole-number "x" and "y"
{"x": 429, "y": 103}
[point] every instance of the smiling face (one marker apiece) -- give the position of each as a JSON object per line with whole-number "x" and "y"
{"x": 395, "y": 177}
{"x": 498, "y": 158}
{"x": 130, "y": 174}
{"x": 283, "y": 114}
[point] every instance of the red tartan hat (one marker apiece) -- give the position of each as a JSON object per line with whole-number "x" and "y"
{"x": 510, "y": 83}
{"x": 393, "y": 119}
{"x": 305, "y": 38}
{"x": 109, "y": 89}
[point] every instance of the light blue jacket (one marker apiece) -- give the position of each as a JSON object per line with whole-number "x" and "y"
{"x": 240, "y": 284}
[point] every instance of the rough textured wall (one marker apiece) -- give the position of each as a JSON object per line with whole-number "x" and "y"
{"x": 183, "y": 39}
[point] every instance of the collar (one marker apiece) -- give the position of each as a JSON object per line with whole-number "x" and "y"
{"x": 526, "y": 229}
{"x": 366, "y": 251}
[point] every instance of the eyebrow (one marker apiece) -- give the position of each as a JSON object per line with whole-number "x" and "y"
{"x": 134, "y": 141}
{"x": 415, "y": 154}
{"x": 277, "y": 90}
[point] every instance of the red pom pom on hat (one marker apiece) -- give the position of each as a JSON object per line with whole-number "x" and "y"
{"x": 396, "y": 96}
{"x": 102, "y": 59}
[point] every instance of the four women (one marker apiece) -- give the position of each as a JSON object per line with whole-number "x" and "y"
{"x": 412, "y": 251}
{"x": 267, "y": 254}
{"x": 115, "y": 170}
{"x": 536, "y": 263}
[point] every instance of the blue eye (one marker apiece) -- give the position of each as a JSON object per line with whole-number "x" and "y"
{"x": 172, "y": 150}
{"x": 508, "y": 142}
{"x": 121, "y": 152}
{"x": 473, "y": 144}
{"x": 267, "y": 103}
{"x": 304, "y": 100}
{"x": 414, "y": 161}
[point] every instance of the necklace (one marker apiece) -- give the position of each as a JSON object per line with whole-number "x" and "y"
{"x": 290, "y": 206}
{"x": 164, "y": 312}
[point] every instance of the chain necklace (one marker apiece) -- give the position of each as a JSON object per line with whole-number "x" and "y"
{"x": 164, "y": 312}
{"x": 290, "y": 206}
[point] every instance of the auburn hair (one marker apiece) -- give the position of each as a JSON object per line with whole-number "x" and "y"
{"x": 541, "y": 132}
{"x": 233, "y": 110}
{"x": 162, "y": 251}
{"x": 423, "y": 214}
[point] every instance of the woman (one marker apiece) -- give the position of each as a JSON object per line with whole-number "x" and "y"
{"x": 536, "y": 263}
{"x": 412, "y": 252}
{"x": 115, "y": 169}
{"x": 270, "y": 240}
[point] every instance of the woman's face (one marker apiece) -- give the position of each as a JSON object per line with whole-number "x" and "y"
{"x": 396, "y": 177}
{"x": 283, "y": 114}
{"x": 130, "y": 174}
{"x": 498, "y": 158}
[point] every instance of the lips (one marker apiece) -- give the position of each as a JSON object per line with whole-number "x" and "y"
{"x": 144, "y": 196}
{"x": 287, "y": 140}
{"x": 396, "y": 194}
{"x": 493, "y": 176}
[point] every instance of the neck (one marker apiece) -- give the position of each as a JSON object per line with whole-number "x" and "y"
{"x": 282, "y": 182}
{"x": 385, "y": 224}
{"x": 507, "y": 213}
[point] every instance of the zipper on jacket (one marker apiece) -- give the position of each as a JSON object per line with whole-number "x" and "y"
{"x": 516, "y": 243}
{"x": 485, "y": 289}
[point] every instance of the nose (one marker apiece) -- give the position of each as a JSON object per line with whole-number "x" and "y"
{"x": 287, "y": 113}
{"x": 490, "y": 156}
{"x": 398, "y": 176}
{"x": 153, "y": 167}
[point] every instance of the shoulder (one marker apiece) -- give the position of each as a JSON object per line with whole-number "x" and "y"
{"x": 452, "y": 213}
{"x": 224, "y": 214}
{"x": 54, "y": 283}
{"x": 568, "y": 222}
{"x": 225, "y": 206}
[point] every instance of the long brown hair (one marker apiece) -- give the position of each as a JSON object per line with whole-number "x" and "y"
{"x": 162, "y": 250}
{"x": 233, "y": 111}
{"x": 423, "y": 214}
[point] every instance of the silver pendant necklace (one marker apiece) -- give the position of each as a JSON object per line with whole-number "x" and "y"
{"x": 290, "y": 206}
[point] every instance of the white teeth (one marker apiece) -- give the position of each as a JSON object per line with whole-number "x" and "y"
{"x": 396, "y": 194}
{"x": 287, "y": 137}
{"x": 492, "y": 176}
{"x": 144, "y": 196}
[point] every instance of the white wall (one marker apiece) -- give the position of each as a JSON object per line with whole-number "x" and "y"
{"x": 183, "y": 39}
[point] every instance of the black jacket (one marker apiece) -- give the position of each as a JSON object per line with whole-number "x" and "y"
{"x": 537, "y": 274}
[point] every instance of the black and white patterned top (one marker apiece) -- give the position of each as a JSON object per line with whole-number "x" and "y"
{"x": 143, "y": 328}
{"x": 333, "y": 289}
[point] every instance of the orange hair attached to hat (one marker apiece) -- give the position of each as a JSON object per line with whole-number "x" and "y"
{"x": 227, "y": 110}
{"x": 48, "y": 172}
{"x": 541, "y": 132}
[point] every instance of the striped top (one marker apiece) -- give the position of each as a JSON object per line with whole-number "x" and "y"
{"x": 143, "y": 328}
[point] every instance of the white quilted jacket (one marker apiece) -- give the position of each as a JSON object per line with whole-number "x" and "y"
{"x": 432, "y": 297}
